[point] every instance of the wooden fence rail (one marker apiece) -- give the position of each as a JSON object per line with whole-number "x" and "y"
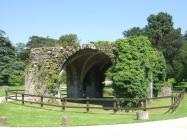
{"x": 116, "y": 102}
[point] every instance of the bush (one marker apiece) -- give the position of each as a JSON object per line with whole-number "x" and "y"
{"x": 136, "y": 65}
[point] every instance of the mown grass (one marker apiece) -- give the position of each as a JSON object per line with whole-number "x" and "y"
{"x": 3, "y": 88}
{"x": 33, "y": 115}
{"x": 181, "y": 85}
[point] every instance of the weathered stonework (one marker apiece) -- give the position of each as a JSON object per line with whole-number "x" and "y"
{"x": 85, "y": 67}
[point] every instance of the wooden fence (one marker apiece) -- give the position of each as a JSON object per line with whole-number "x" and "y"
{"x": 87, "y": 102}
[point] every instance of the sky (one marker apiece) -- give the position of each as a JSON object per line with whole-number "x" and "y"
{"x": 91, "y": 20}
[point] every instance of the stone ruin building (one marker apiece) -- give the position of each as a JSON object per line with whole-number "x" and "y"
{"x": 85, "y": 67}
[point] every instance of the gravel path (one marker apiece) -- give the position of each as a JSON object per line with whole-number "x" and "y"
{"x": 160, "y": 130}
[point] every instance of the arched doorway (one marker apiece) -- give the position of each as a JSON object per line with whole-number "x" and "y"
{"x": 85, "y": 71}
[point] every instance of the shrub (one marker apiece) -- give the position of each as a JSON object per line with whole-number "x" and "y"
{"x": 137, "y": 64}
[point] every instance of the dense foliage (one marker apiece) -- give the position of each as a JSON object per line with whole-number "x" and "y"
{"x": 14, "y": 59}
{"x": 69, "y": 40}
{"x": 11, "y": 70}
{"x": 180, "y": 63}
{"x": 137, "y": 64}
{"x": 135, "y": 31}
{"x": 47, "y": 77}
{"x": 37, "y": 42}
{"x": 101, "y": 44}
{"x": 163, "y": 36}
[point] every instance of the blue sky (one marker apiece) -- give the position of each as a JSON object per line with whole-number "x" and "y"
{"x": 89, "y": 19}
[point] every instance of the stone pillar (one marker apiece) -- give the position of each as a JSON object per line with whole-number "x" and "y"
{"x": 142, "y": 115}
{"x": 73, "y": 82}
{"x": 150, "y": 90}
{"x": 29, "y": 82}
{"x": 165, "y": 91}
{"x": 65, "y": 121}
{"x": 3, "y": 121}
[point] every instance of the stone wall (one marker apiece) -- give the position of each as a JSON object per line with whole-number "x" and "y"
{"x": 165, "y": 91}
{"x": 57, "y": 59}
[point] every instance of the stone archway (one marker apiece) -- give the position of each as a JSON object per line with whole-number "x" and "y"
{"x": 86, "y": 73}
{"x": 85, "y": 67}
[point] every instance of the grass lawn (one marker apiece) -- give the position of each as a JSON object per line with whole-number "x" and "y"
{"x": 33, "y": 115}
{"x": 181, "y": 85}
{"x": 3, "y": 88}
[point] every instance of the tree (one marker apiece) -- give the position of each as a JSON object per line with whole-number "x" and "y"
{"x": 37, "y": 42}
{"x": 22, "y": 52}
{"x": 69, "y": 40}
{"x": 170, "y": 45}
{"x": 137, "y": 63}
{"x": 185, "y": 35}
{"x": 101, "y": 44}
{"x": 34, "y": 42}
{"x": 20, "y": 47}
{"x": 17, "y": 72}
{"x": 11, "y": 69}
{"x": 7, "y": 56}
{"x": 135, "y": 31}
{"x": 164, "y": 37}
{"x": 2, "y": 33}
{"x": 180, "y": 63}
{"x": 157, "y": 70}
{"x": 158, "y": 26}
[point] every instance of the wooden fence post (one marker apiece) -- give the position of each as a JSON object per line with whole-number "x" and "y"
{"x": 41, "y": 101}
{"x": 61, "y": 100}
{"x": 6, "y": 95}
{"x": 22, "y": 98}
{"x": 172, "y": 103}
{"x": 145, "y": 104}
{"x": 114, "y": 105}
{"x": 87, "y": 104}
{"x": 63, "y": 104}
{"x": 118, "y": 104}
{"x": 16, "y": 94}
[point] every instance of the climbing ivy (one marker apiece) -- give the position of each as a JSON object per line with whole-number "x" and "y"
{"x": 50, "y": 75}
{"x": 157, "y": 71}
{"x": 137, "y": 64}
{"x": 46, "y": 74}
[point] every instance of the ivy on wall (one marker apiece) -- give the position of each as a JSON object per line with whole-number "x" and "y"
{"x": 46, "y": 74}
{"x": 137, "y": 64}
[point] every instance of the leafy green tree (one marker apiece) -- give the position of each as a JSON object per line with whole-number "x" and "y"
{"x": 37, "y": 42}
{"x": 137, "y": 64}
{"x": 158, "y": 26}
{"x": 22, "y": 52}
{"x": 101, "y": 43}
{"x": 164, "y": 37}
{"x": 2, "y": 33}
{"x": 17, "y": 72}
{"x": 157, "y": 70}
{"x": 180, "y": 64}
{"x": 20, "y": 47}
{"x": 185, "y": 35}
{"x": 69, "y": 40}
{"x": 11, "y": 69}
{"x": 135, "y": 31}
{"x": 7, "y": 56}
{"x": 34, "y": 42}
